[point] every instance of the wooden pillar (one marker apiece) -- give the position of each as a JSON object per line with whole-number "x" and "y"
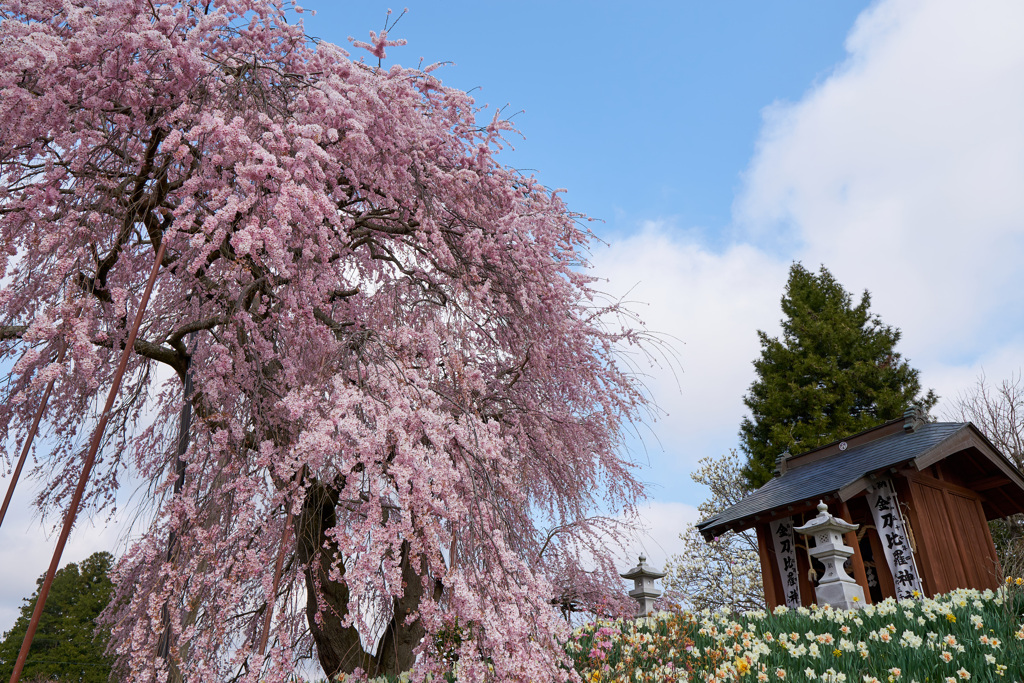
{"x": 859, "y": 573}
{"x": 991, "y": 547}
{"x": 774, "y": 591}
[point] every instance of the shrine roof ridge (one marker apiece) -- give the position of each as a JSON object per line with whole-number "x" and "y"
{"x": 830, "y": 474}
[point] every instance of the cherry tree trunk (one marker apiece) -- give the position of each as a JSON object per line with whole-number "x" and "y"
{"x": 339, "y": 647}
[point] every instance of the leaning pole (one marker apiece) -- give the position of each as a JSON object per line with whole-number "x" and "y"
{"x": 90, "y": 459}
{"x": 27, "y": 446}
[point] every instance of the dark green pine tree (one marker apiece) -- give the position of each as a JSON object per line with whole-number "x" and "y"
{"x": 66, "y": 646}
{"x": 834, "y": 372}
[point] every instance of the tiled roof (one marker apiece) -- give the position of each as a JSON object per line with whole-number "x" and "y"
{"x": 830, "y": 474}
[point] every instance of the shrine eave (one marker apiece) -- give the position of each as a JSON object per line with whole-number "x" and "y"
{"x": 843, "y": 471}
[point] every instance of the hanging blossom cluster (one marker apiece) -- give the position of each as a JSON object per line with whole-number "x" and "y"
{"x": 396, "y": 377}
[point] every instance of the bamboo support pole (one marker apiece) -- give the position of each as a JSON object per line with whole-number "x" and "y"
{"x": 90, "y": 459}
{"x": 28, "y": 441}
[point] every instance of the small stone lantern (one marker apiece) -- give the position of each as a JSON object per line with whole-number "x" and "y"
{"x": 836, "y": 587}
{"x": 644, "y": 591}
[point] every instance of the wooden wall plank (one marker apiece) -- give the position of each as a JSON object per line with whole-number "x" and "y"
{"x": 965, "y": 536}
{"x": 981, "y": 564}
{"x": 909, "y": 509}
{"x": 990, "y": 546}
{"x": 937, "y": 536}
{"x": 955, "y": 543}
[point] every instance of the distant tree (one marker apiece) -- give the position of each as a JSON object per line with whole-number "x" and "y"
{"x": 833, "y": 372}
{"x": 725, "y": 572}
{"x": 998, "y": 411}
{"x": 67, "y": 646}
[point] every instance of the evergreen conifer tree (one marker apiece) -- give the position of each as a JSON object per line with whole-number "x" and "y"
{"x": 67, "y": 646}
{"x": 833, "y": 372}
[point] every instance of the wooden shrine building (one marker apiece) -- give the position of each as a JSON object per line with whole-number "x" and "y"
{"x": 922, "y": 493}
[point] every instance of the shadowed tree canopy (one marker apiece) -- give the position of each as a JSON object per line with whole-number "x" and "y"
{"x": 402, "y": 382}
{"x": 69, "y": 646}
{"x": 833, "y": 372}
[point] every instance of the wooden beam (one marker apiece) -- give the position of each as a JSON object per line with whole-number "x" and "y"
{"x": 947, "y": 483}
{"x": 853, "y": 489}
{"x": 852, "y": 441}
{"x": 803, "y": 566}
{"x": 959, "y": 441}
{"x": 968, "y": 438}
{"x": 770, "y": 515}
{"x": 989, "y": 483}
{"x": 991, "y": 547}
{"x": 1002, "y": 503}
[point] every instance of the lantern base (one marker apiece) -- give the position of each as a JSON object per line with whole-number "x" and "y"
{"x": 840, "y": 595}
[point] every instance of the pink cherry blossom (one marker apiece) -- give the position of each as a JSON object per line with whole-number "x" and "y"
{"x": 401, "y": 379}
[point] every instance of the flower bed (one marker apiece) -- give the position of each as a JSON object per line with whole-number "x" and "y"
{"x": 966, "y": 635}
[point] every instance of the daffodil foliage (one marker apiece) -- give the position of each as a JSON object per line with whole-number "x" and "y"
{"x": 401, "y": 381}
{"x": 965, "y": 635}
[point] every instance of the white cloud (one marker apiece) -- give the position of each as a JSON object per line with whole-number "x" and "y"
{"x": 710, "y": 306}
{"x": 952, "y": 380}
{"x": 662, "y": 524}
{"x": 902, "y": 173}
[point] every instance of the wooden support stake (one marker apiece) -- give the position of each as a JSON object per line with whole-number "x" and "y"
{"x": 90, "y": 459}
{"x": 774, "y": 592}
{"x": 885, "y": 582}
{"x": 28, "y": 440}
{"x": 163, "y": 646}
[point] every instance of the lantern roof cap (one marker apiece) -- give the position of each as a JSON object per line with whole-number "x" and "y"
{"x": 642, "y": 570}
{"x": 825, "y": 522}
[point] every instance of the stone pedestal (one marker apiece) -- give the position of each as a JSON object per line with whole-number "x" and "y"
{"x": 836, "y": 587}
{"x": 840, "y": 594}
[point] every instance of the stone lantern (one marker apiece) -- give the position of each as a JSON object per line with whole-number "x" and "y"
{"x": 836, "y": 587}
{"x": 644, "y": 591}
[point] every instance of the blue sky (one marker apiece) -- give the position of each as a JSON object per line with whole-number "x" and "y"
{"x": 650, "y": 112}
{"x": 719, "y": 142}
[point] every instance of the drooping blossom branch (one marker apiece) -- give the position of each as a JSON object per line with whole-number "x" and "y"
{"x": 372, "y": 299}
